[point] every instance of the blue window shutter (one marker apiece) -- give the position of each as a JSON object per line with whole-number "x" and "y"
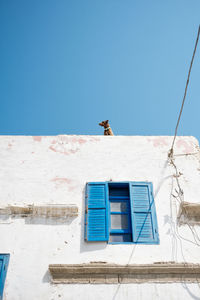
{"x": 4, "y": 259}
{"x": 96, "y": 212}
{"x": 143, "y": 213}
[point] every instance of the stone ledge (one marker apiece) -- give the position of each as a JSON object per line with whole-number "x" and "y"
{"x": 57, "y": 211}
{"x": 114, "y": 274}
{"x": 189, "y": 213}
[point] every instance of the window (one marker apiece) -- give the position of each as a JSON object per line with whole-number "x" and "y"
{"x": 120, "y": 212}
{"x": 4, "y": 259}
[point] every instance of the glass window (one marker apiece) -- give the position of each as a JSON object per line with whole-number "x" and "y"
{"x": 119, "y": 221}
{"x": 118, "y": 206}
{"x": 120, "y": 238}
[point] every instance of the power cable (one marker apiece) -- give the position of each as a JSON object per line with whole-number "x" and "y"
{"x": 180, "y": 193}
{"x": 188, "y": 78}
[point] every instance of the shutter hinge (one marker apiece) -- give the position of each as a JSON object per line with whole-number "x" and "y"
{"x": 86, "y": 196}
{"x": 86, "y": 209}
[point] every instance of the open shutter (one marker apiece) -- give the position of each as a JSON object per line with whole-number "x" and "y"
{"x": 96, "y": 219}
{"x": 4, "y": 259}
{"x": 143, "y": 213}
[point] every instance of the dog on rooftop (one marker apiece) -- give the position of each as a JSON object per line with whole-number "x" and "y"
{"x": 107, "y": 129}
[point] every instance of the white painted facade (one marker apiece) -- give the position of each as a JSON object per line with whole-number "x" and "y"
{"x": 54, "y": 170}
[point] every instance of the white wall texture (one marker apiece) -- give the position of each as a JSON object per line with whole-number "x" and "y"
{"x": 54, "y": 170}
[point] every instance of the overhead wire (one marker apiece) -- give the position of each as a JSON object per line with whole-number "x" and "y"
{"x": 180, "y": 193}
{"x": 185, "y": 93}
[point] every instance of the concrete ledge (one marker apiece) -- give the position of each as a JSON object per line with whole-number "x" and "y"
{"x": 114, "y": 274}
{"x": 57, "y": 211}
{"x": 189, "y": 213}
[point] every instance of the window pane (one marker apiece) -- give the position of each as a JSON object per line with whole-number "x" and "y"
{"x": 120, "y": 238}
{"x": 116, "y": 191}
{"x": 118, "y": 206}
{"x": 119, "y": 221}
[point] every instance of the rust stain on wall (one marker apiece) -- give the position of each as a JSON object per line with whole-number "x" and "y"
{"x": 52, "y": 148}
{"x": 62, "y": 150}
{"x": 186, "y": 146}
{"x": 37, "y": 138}
{"x": 94, "y": 139}
{"x": 63, "y": 181}
{"x": 159, "y": 141}
{"x": 69, "y": 144}
{"x": 81, "y": 141}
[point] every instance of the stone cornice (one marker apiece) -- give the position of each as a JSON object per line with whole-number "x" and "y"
{"x": 111, "y": 273}
{"x": 57, "y": 211}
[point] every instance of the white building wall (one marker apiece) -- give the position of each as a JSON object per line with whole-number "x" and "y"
{"x": 54, "y": 170}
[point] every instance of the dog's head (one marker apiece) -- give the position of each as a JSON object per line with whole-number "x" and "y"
{"x": 104, "y": 124}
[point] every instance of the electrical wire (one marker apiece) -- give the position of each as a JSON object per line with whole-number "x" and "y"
{"x": 180, "y": 193}
{"x": 183, "y": 101}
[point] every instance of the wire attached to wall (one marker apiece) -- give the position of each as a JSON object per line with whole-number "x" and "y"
{"x": 180, "y": 193}
{"x": 188, "y": 78}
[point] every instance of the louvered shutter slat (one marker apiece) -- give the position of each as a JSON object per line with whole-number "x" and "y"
{"x": 4, "y": 259}
{"x": 143, "y": 215}
{"x": 1, "y": 264}
{"x": 96, "y": 228}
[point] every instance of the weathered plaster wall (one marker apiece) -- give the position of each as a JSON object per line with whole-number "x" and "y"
{"x": 54, "y": 170}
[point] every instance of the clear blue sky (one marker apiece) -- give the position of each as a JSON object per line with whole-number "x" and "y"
{"x": 67, "y": 65}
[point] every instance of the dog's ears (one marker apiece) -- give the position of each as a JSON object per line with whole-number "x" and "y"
{"x": 106, "y": 121}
